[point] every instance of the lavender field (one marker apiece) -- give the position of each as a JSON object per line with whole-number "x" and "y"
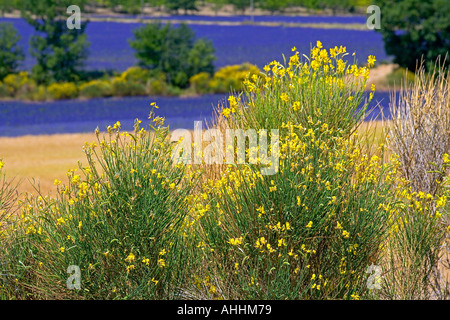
{"x": 19, "y": 118}
{"x": 110, "y": 50}
{"x": 257, "y": 18}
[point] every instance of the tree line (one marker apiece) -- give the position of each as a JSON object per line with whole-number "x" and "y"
{"x": 411, "y": 31}
{"x": 186, "y": 6}
{"x": 60, "y": 52}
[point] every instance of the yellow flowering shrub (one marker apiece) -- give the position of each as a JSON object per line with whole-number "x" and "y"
{"x": 140, "y": 225}
{"x": 65, "y": 90}
{"x": 117, "y": 217}
{"x": 231, "y": 78}
{"x": 200, "y": 82}
{"x": 95, "y": 89}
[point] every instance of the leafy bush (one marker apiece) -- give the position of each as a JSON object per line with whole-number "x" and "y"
{"x": 5, "y": 91}
{"x": 415, "y": 30}
{"x": 65, "y": 90}
{"x": 136, "y": 74}
{"x": 39, "y": 94}
{"x": 122, "y": 87}
{"x": 157, "y": 86}
{"x": 231, "y": 78}
{"x": 173, "y": 51}
{"x": 10, "y": 53}
{"x": 15, "y": 82}
{"x": 200, "y": 82}
{"x": 95, "y": 89}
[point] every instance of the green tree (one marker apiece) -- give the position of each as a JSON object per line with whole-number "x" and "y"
{"x": 173, "y": 51}
{"x": 273, "y": 5}
{"x": 201, "y": 57}
{"x": 7, "y": 5}
{"x": 11, "y": 54}
{"x": 240, "y": 5}
{"x": 60, "y": 52}
{"x": 415, "y": 29}
{"x": 186, "y": 5}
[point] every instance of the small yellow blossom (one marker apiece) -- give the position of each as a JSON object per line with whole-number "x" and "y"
{"x": 130, "y": 258}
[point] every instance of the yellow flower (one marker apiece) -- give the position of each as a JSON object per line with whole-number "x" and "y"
{"x": 153, "y": 104}
{"x": 117, "y": 125}
{"x": 309, "y": 225}
{"x": 130, "y": 258}
{"x": 172, "y": 185}
{"x": 226, "y": 112}
{"x": 446, "y": 159}
{"x": 130, "y": 267}
{"x": 371, "y": 61}
{"x": 2, "y": 164}
{"x": 345, "y": 234}
{"x": 76, "y": 179}
{"x": 319, "y": 44}
{"x": 355, "y": 296}
{"x": 146, "y": 261}
{"x": 296, "y": 106}
{"x": 261, "y": 211}
{"x": 161, "y": 263}
{"x": 284, "y": 96}
{"x": 155, "y": 281}
{"x": 56, "y": 182}
{"x": 281, "y": 243}
{"x": 62, "y": 249}
{"x": 235, "y": 241}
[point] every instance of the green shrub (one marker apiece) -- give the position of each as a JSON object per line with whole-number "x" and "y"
{"x": 122, "y": 87}
{"x": 15, "y": 81}
{"x": 11, "y": 54}
{"x": 231, "y": 78}
{"x": 157, "y": 87}
{"x": 310, "y": 230}
{"x": 65, "y": 90}
{"x": 120, "y": 219}
{"x": 39, "y": 94}
{"x": 5, "y": 90}
{"x": 95, "y": 89}
{"x": 173, "y": 51}
{"x": 8, "y": 208}
{"x": 136, "y": 74}
{"x": 200, "y": 82}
